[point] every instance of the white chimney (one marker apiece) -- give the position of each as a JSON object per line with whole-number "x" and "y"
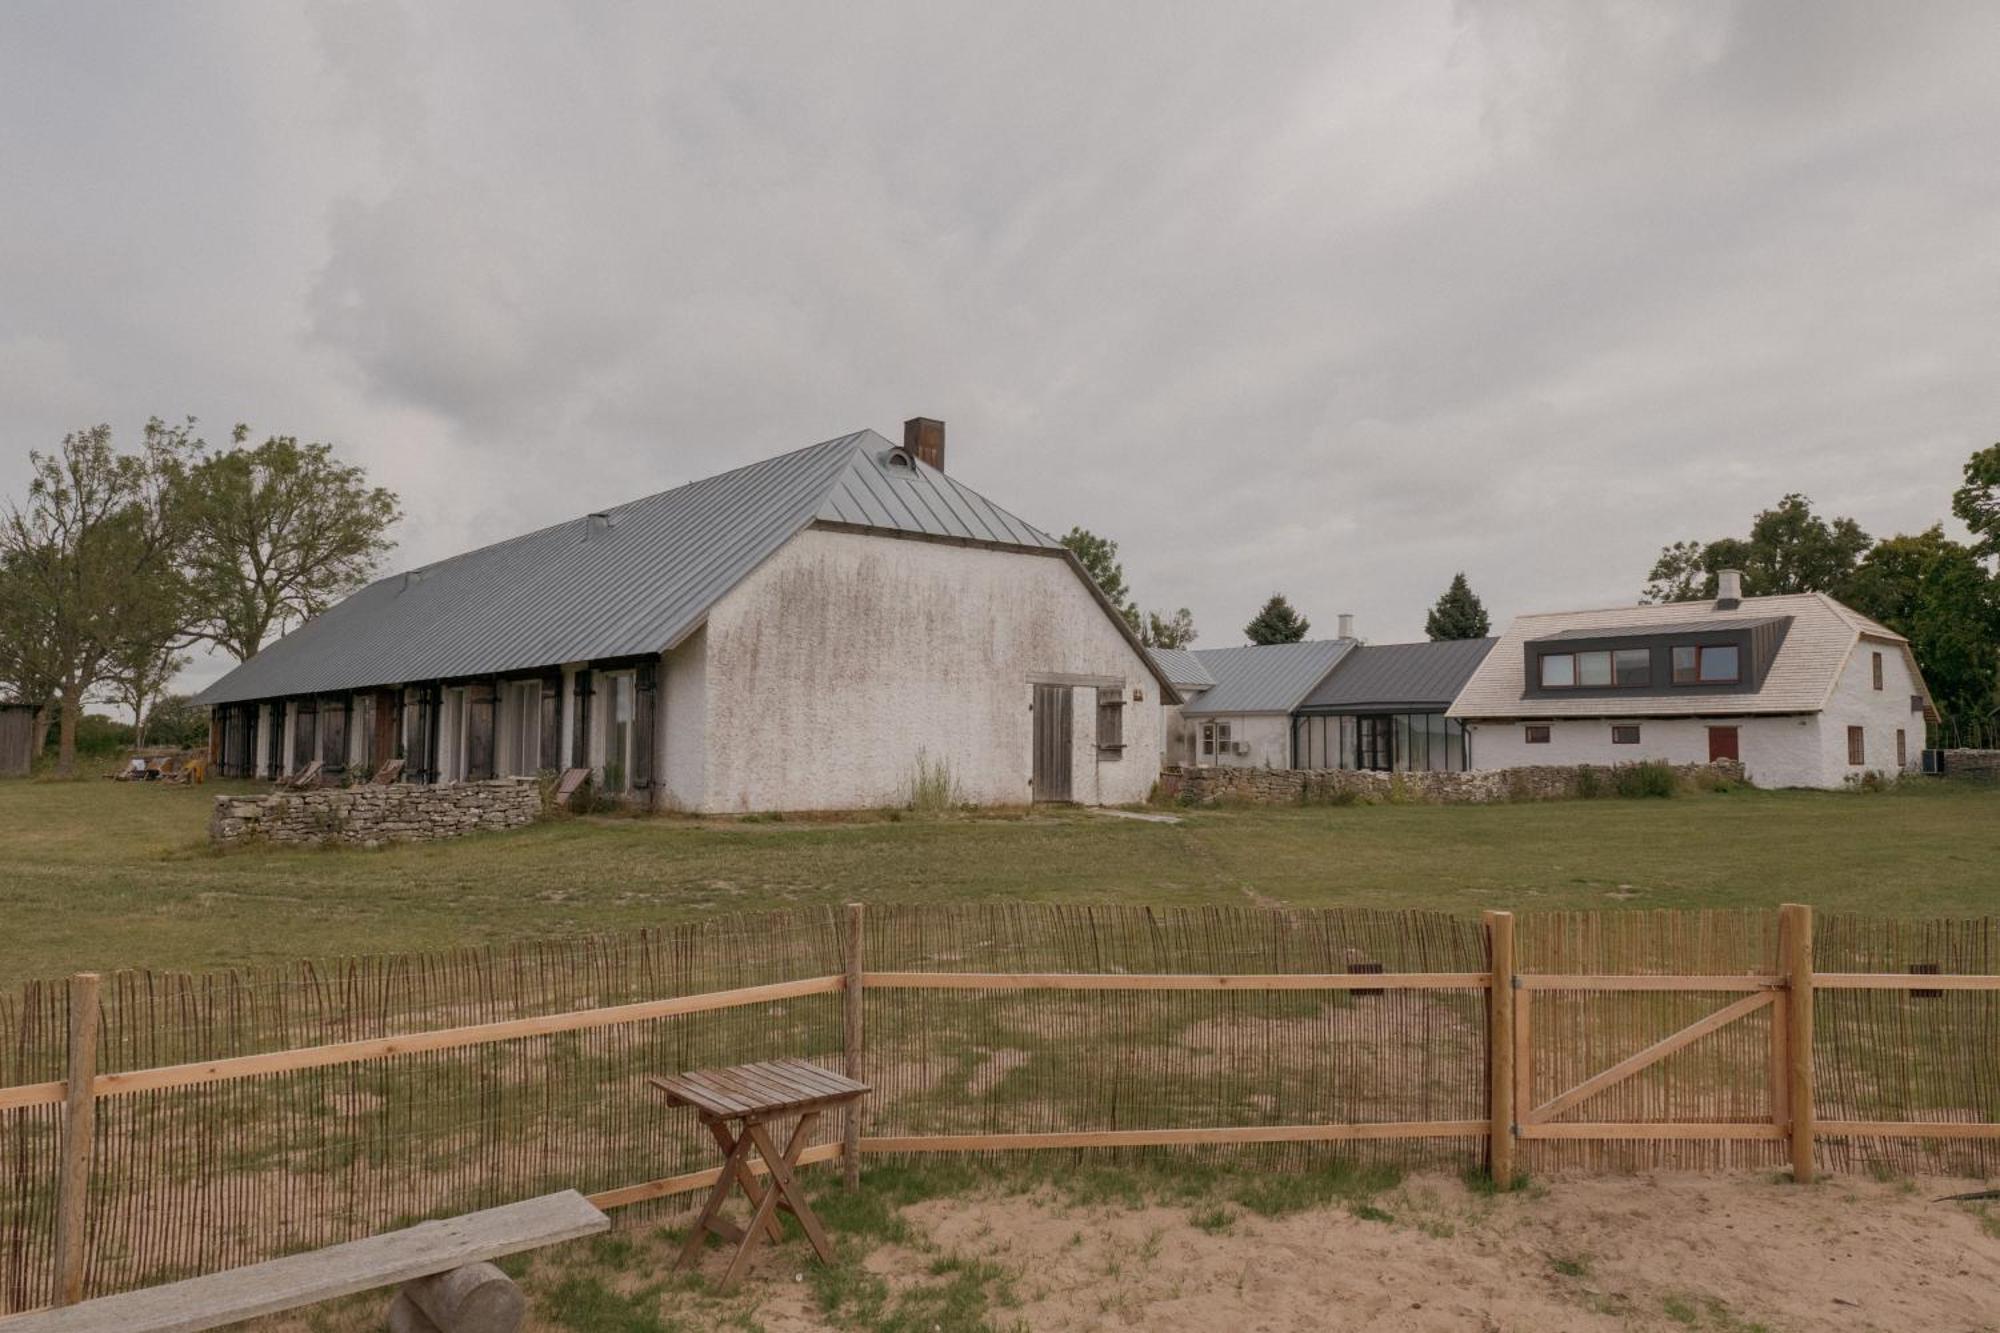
{"x": 1346, "y": 624}
{"x": 1729, "y": 585}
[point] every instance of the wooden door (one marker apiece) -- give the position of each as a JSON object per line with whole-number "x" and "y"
{"x": 1054, "y": 735}
{"x": 1722, "y": 744}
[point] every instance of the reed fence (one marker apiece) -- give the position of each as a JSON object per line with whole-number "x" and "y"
{"x": 154, "y": 1126}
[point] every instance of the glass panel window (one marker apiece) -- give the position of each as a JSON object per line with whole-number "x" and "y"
{"x": 1409, "y": 744}
{"x": 1625, "y": 734}
{"x": 1593, "y": 670}
{"x": 1442, "y": 742}
{"x": 1537, "y": 733}
{"x": 1632, "y": 667}
{"x": 1349, "y": 746}
{"x": 1857, "y": 746}
{"x": 1684, "y": 665}
{"x": 617, "y": 698}
{"x": 1558, "y": 671}
{"x": 1718, "y": 664}
{"x": 1208, "y": 738}
{"x": 1455, "y": 735}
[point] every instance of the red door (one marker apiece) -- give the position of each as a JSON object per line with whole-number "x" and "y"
{"x": 1722, "y": 744}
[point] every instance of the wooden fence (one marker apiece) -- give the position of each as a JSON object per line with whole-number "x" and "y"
{"x": 154, "y": 1126}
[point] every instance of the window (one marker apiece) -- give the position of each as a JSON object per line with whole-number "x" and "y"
{"x": 1214, "y": 738}
{"x": 1857, "y": 745}
{"x": 1878, "y": 671}
{"x": 1718, "y": 665}
{"x": 1537, "y": 733}
{"x": 1111, "y": 720}
{"x": 1902, "y": 748}
{"x": 524, "y": 728}
{"x": 1625, "y": 734}
{"x": 1599, "y": 669}
{"x": 1711, "y": 664}
{"x": 618, "y": 731}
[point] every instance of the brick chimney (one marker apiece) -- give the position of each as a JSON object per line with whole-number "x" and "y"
{"x": 924, "y": 438}
{"x": 1346, "y": 630}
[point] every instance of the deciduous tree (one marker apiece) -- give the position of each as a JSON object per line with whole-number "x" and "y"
{"x": 279, "y": 533}
{"x": 1174, "y": 631}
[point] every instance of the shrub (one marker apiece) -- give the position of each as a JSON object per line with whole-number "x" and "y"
{"x": 934, "y": 789}
{"x": 1651, "y": 777}
{"x": 1589, "y": 782}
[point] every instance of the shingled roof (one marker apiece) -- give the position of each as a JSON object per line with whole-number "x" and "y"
{"x": 1800, "y": 679}
{"x": 634, "y": 580}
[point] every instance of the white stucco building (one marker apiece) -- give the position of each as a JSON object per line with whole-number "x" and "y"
{"x": 806, "y": 633}
{"x": 1804, "y": 691}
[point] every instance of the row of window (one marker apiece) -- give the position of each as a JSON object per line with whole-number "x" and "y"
{"x": 1627, "y": 733}
{"x": 1622, "y": 733}
{"x": 1632, "y": 668}
{"x": 1384, "y": 742}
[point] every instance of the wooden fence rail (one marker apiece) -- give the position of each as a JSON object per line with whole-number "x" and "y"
{"x": 1524, "y": 1100}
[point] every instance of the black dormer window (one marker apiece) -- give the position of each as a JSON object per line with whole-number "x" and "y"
{"x": 1622, "y": 668}
{"x": 1709, "y": 664}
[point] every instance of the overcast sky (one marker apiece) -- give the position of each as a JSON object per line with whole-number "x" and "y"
{"x": 1322, "y": 298}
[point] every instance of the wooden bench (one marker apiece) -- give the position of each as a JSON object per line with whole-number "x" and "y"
{"x": 448, "y": 1282}
{"x": 755, "y": 1095}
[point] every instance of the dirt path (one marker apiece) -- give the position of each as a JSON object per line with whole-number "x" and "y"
{"x": 1730, "y": 1254}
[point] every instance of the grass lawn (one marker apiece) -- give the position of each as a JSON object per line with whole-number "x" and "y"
{"x": 101, "y": 875}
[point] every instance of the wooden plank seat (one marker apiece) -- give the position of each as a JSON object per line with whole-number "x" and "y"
{"x": 570, "y": 784}
{"x": 389, "y": 773}
{"x": 736, "y": 1105}
{"x": 305, "y": 777}
{"x": 439, "y": 1262}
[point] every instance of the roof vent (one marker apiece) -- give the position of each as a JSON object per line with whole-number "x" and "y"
{"x": 596, "y": 524}
{"x": 1346, "y": 625}
{"x": 899, "y": 460}
{"x": 411, "y": 578}
{"x": 1728, "y": 589}
{"x": 923, "y": 439}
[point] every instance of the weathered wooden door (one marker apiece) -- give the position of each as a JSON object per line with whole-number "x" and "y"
{"x": 1053, "y": 734}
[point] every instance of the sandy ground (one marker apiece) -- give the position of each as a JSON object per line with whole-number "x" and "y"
{"x": 1652, "y": 1252}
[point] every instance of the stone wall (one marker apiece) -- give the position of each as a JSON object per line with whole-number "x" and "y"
{"x": 1295, "y": 786}
{"x": 372, "y": 816}
{"x": 1972, "y": 764}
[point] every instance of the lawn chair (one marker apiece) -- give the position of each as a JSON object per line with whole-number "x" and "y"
{"x": 305, "y": 777}
{"x": 571, "y": 783}
{"x": 389, "y": 774}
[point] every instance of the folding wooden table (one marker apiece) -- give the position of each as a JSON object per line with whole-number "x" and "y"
{"x": 749, "y": 1097}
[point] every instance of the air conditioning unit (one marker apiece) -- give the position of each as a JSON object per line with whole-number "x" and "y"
{"x": 1240, "y": 747}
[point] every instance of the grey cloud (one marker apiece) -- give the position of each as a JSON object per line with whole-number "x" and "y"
{"x": 1329, "y": 299}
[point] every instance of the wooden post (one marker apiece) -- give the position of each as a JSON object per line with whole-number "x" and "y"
{"x": 1795, "y": 949}
{"x": 850, "y": 1013}
{"x": 1500, "y": 1048}
{"x": 78, "y": 1134}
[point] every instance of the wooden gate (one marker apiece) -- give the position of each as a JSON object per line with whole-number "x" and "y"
{"x": 1054, "y": 725}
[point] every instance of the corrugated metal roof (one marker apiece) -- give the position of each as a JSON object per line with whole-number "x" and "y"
{"x": 1391, "y": 676}
{"x": 1800, "y": 679}
{"x": 1264, "y": 678}
{"x": 1182, "y": 667}
{"x": 637, "y": 584}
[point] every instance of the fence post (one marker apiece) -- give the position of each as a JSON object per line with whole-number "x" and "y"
{"x": 1500, "y": 1048}
{"x": 78, "y": 1134}
{"x": 850, "y": 1014}
{"x": 1795, "y": 948}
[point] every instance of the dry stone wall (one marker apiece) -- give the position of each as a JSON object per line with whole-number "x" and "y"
{"x": 1972, "y": 764}
{"x": 1296, "y": 786}
{"x": 372, "y": 816}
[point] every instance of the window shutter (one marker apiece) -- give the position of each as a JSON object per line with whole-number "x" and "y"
{"x": 482, "y": 703}
{"x": 1111, "y": 719}
{"x": 305, "y": 733}
{"x": 580, "y": 741}
{"x": 333, "y": 736}
{"x": 645, "y": 713}
{"x": 551, "y": 747}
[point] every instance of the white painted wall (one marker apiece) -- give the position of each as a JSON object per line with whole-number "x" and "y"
{"x": 1777, "y": 751}
{"x": 682, "y": 762}
{"x": 829, "y": 669}
{"x": 1856, "y": 702}
{"x": 1268, "y": 736}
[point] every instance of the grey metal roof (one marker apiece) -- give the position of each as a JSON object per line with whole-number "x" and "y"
{"x": 640, "y": 583}
{"x": 1264, "y": 678}
{"x": 1385, "y": 677}
{"x": 1713, "y": 623}
{"x": 1181, "y": 667}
